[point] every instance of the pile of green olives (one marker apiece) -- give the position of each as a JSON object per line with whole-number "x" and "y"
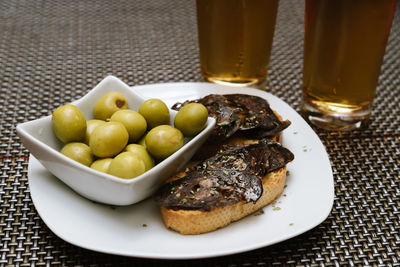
{"x": 123, "y": 142}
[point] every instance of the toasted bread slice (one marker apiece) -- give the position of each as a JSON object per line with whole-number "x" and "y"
{"x": 198, "y": 221}
{"x": 190, "y": 222}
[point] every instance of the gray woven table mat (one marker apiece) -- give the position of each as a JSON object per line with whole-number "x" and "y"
{"x": 53, "y": 52}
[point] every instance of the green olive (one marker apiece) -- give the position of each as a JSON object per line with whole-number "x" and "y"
{"x": 109, "y": 139}
{"x": 126, "y": 165}
{"x": 101, "y": 165}
{"x": 162, "y": 141}
{"x": 69, "y": 123}
{"x": 90, "y": 125}
{"x": 133, "y": 121}
{"x": 191, "y": 119}
{"x": 155, "y": 112}
{"x": 108, "y": 104}
{"x": 142, "y": 153}
{"x": 79, "y": 152}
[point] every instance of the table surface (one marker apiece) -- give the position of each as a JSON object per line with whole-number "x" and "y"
{"x": 53, "y": 52}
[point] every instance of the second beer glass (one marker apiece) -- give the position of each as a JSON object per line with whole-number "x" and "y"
{"x": 235, "y": 39}
{"x": 345, "y": 43}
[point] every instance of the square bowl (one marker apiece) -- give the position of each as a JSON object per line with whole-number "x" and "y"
{"x": 38, "y": 137}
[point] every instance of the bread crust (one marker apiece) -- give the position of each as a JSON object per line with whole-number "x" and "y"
{"x": 191, "y": 222}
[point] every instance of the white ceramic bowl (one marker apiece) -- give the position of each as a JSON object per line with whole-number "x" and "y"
{"x": 38, "y": 137}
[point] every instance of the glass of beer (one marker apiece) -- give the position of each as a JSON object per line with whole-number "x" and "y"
{"x": 235, "y": 39}
{"x": 345, "y": 43}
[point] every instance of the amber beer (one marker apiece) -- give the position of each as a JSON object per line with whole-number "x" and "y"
{"x": 345, "y": 43}
{"x": 235, "y": 39}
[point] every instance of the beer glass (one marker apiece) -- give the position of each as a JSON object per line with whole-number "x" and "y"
{"x": 345, "y": 43}
{"x": 235, "y": 39}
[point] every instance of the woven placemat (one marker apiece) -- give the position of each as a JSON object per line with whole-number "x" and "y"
{"x": 53, "y": 52}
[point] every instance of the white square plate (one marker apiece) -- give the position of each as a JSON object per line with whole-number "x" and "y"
{"x": 137, "y": 230}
